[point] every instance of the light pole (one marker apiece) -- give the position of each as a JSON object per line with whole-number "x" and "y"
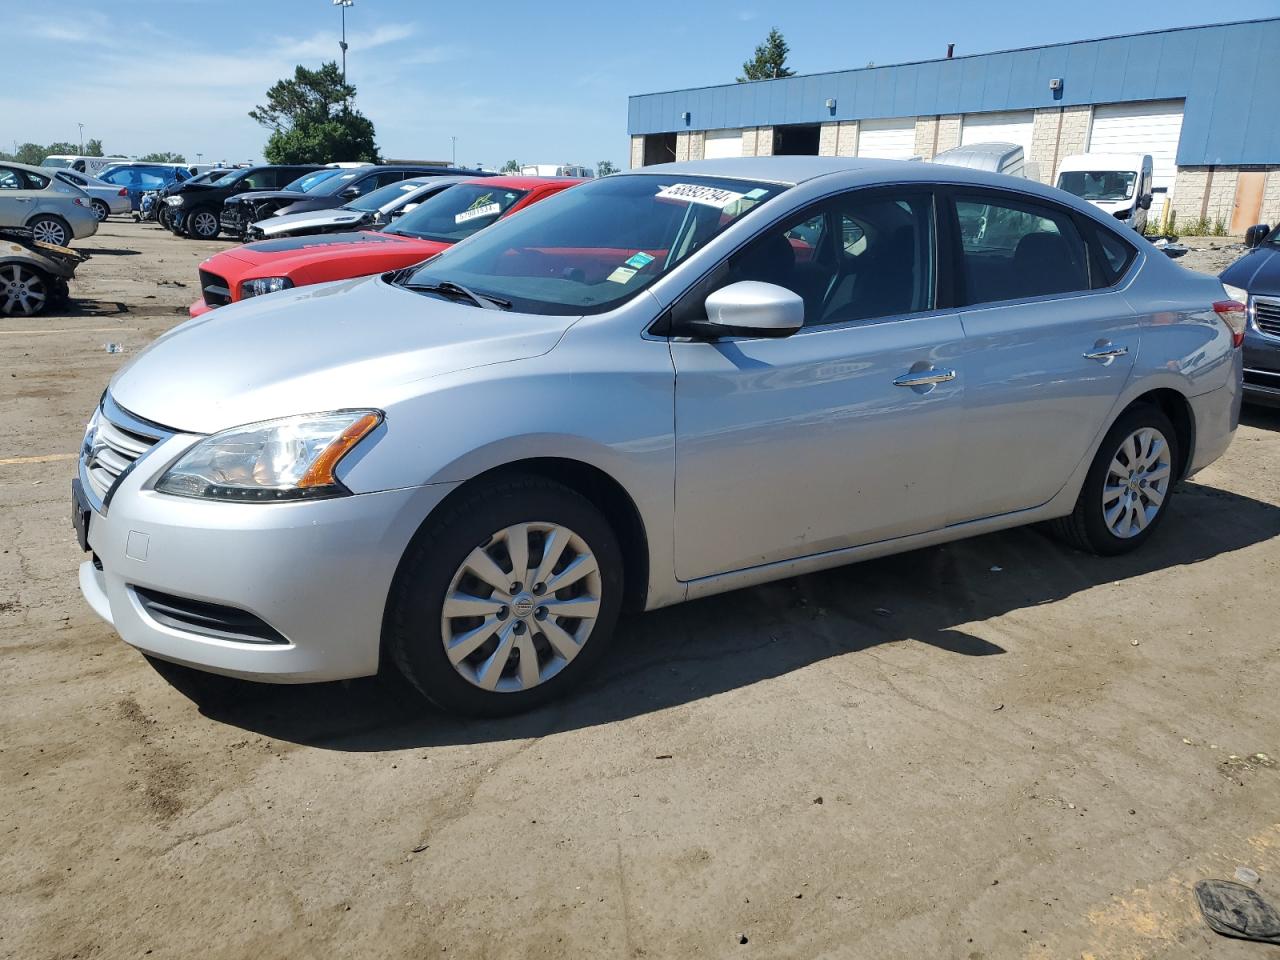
{"x": 81, "y": 126}
{"x": 343, "y": 42}
{"x": 454, "y": 142}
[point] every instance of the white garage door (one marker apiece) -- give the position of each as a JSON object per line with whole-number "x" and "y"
{"x": 1152, "y": 127}
{"x": 1013, "y": 126}
{"x": 723, "y": 143}
{"x": 893, "y": 139}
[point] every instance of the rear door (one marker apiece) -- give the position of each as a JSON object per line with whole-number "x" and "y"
{"x": 17, "y": 200}
{"x": 1050, "y": 345}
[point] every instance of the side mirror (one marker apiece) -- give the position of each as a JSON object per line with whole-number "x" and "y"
{"x": 351, "y": 192}
{"x": 749, "y": 308}
{"x": 1256, "y": 234}
{"x": 1145, "y": 202}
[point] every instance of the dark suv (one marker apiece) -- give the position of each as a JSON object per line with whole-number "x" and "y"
{"x": 1257, "y": 273}
{"x": 322, "y": 190}
{"x": 194, "y": 209}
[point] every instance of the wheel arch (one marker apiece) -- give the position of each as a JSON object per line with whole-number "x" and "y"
{"x": 1177, "y": 408}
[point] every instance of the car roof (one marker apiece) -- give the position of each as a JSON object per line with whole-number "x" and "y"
{"x": 32, "y": 168}
{"x": 523, "y": 183}
{"x": 1103, "y": 161}
{"x": 789, "y": 169}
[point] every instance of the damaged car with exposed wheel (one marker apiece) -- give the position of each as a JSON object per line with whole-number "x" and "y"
{"x": 653, "y": 387}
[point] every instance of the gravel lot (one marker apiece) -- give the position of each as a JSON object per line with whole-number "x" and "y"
{"x": 997, "y": 748}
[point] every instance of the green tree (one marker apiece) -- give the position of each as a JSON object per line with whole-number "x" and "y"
{"x": 511, "y": 166}
{"x": 34, "y": 153}
{"x": 605, "y": 167}
{"x": 311, "y": 119}
{"x": 93, "y": 148}
{"x": 165, "y": 157}
{"x": 770, "y": 61}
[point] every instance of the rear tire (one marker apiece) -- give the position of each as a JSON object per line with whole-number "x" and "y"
{"x": 101, "y": 210}
{"x": 202, "y": 223}
{"x": 517, "y": 648}
{"x": 50, "y": 229}
{"x": 1127, "y": 490}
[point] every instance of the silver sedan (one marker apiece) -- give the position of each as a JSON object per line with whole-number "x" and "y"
{"x": 107, "y": 198}
{"x": 650, "y": 388}
{"x": 32, "y": 198}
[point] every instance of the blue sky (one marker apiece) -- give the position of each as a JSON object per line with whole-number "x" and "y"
{"x": 510, "y": 80}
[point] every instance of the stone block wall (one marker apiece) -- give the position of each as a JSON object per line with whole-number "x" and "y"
{"x": 637, "y": 152}
{"x": 926, "y": 134}
{"x": 948, "y": 131}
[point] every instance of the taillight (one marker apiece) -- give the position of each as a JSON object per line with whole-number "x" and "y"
{"x": 124, "y": 192}
{"x": 1233, "y": 314}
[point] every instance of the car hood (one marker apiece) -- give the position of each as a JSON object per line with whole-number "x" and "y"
{"x": 257, "y": 196}
{"x": 333, "y": 217}
{"x": 1257, "y": 271}
{"x": 287, "y": 253}
{"x": 353, "y": 343}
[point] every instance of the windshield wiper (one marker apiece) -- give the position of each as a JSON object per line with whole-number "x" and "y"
{"x": 449, "y": 288}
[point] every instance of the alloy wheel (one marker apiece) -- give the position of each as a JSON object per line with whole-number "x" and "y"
{"x": 521, "y": 606}
{"x": 204, "y": 224}
{"x": 22, "y": 290}
{"x": 1137, "y": 482}
{"x": 50, "y": 231}
{"x": 100, "y": 210}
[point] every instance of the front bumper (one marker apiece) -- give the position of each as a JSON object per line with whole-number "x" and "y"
{"x": 316, "y": 572}
{"x": 1261, "y": 368}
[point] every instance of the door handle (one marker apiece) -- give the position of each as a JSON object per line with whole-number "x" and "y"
{"x": 1105, "y": 352}
{"x": 24, "y": 199}
{"x": 924, "y": 378}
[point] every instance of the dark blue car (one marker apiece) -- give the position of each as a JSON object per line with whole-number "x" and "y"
{"x": 1257, "y": 273}
{"x": 138, "y": 178}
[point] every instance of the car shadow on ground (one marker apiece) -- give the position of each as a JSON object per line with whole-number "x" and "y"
{"x": 1263, "y": 418}
{"x": 699, "y": 649}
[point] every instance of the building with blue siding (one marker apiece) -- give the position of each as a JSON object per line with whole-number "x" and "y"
{"x": 1203, "y": 101}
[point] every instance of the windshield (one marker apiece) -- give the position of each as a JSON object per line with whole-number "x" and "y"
{"x": 309, "y": 181}
{"x": 377, "y": 199}
{"x": 456, "y": 213}
{"x": 1098, "y": 184}
{"x": 56, "y": 162}
{"x": 589, "y": 248}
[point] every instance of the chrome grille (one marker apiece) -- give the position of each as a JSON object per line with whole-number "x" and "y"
{"x": 117, "y": 441}
{"x": 1266, "y": 316}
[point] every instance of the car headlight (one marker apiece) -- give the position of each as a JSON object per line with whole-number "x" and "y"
{"x": 174, "y": 201}
{"x": 256, "y": 288}
{"x": 288, "y": 459}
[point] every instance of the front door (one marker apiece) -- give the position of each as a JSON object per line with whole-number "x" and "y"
{"x": 18, "y": 201}
{"x": 1050, "y": 345}
{"x": 797, "y": 446}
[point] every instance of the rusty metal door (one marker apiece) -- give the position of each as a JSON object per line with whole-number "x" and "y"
{"x": 1248, "y": 206}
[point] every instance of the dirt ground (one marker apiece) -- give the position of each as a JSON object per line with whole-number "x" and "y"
{"x": 997, "y": 748}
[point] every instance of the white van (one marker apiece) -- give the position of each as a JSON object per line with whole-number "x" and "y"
{"x": 90, "y": 165}
{"x": 557, "y": 170}
{"x": 1006, "y": 158}
{"x": 1119, "y": 183}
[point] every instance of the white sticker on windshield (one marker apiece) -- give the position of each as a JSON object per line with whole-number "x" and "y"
{"x": 621, "y": 275}
{"x": 697, "y": 193}
{"x": 755, "y": 194}
{"x": 488, "y": 210}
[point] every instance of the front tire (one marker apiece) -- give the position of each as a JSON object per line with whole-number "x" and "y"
{"x": 50, "y": 229}
{"x": 1127, "y": 491}
{"x": 24, "y": 291}
{"x": 507, "y": 599}
{"x": 203, "y": 224}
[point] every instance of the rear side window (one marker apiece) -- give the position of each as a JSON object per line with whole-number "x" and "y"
{"x": 1011, "y": 249}
{"x": 1111, "y": 254}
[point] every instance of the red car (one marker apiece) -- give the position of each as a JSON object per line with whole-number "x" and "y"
{"x": 434, "y": 225}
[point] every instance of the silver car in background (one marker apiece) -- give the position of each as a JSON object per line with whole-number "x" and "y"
{"x": 653, "y": 387}
{"x": 55, "y": 212}
{"x": 107, "y": 198}
{"x": 374, "y": 210}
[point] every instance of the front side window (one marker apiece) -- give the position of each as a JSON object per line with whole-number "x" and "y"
{"x": 591, "y": 247}
{"x": 862, "y": 256}
{"x": 1011, "y": 249}
{"x": 1098, "y": 184}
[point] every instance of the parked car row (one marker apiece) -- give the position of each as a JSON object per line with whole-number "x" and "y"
{"x": 639, "y": 390}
